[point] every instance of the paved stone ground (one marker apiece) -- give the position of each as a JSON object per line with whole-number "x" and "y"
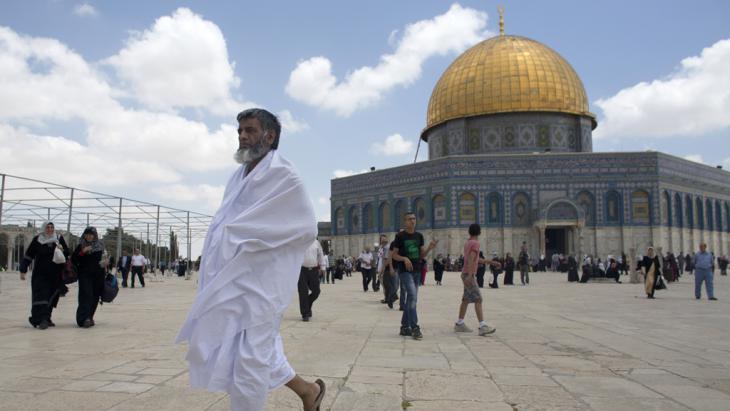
{"x": 558, "y": 346}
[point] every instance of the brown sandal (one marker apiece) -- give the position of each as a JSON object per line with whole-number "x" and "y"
{"x": 320, "y": 397}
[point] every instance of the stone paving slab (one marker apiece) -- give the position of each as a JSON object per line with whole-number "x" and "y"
{"x": 558, "y": 346}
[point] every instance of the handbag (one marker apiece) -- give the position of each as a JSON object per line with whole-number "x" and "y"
{"x": 58, "y": 256}
{"x": 660, "y": 284}
{"x": 69, "y": 272}
{"x": 111, "y": 288}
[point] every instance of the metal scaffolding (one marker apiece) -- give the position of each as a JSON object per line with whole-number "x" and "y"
{"x": 26, "y": 201}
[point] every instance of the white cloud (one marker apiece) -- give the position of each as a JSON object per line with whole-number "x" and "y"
{"x": 42, "y": 80}
{"x": 85, "y": 10}
{"x": 394, "y": 145}
{"x": 289, "y": 124}
{"x": 323, "y": 201}
{"x": 693, "y": 100}
{"x": 64, "y": 161}
{"x": 313, "y": 83}
{"x": 181, "y": 61}
{"x": 346, "y": 173}
{"x": 697, "y": 158}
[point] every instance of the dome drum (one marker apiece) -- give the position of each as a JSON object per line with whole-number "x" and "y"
{"x": 510, "y": 133}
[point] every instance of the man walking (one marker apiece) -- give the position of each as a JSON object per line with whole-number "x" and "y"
{"x": 524, "y": 264}
{"x": 473, "y": 257}
{"x": 309, "y": 275}
{"x": 366, "y": 268}
{"x": 123, "y": 266}
{"x": 138, "y": 262}
{"x": 409, "y": 252}
{"x": 248, "y": 275}
{"x": 704, "y": 271}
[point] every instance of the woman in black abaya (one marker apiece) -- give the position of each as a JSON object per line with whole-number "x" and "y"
{"x": 88, "y": 260}
{"x": 45, "y": 281}
{"x": 572, "y": 269}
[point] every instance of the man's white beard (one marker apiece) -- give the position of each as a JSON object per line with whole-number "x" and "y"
{"x": 247, "y": 155}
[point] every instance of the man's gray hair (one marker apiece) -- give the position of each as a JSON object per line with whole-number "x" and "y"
{"x": 268, "y": 122}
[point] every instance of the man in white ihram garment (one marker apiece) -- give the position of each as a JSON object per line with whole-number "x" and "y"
{"x": 248, "y": 275}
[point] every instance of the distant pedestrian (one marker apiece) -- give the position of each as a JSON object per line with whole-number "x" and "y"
{"x": 366, "y": 268}
{"x": 523, "y": 263}
{"x": 138, "y": 262}
{"x": 704, "y": 271}
{"x": 308, "y": 285}
{"x": 123, "y": 266}
{"x": 652, "y": 271}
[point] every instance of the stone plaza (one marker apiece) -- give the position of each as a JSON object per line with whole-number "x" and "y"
{"x": 561, "y": 346}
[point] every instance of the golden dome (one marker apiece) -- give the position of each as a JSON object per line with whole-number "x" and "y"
{"x": 507, "y": 74}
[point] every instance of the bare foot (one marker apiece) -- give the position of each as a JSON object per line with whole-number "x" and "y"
{"x": 310, "y": 396}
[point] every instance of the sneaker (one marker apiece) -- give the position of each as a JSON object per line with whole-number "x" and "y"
{"x": 390, "y": 304}
{"x": 712, "y": 299}
{"x": 43, "y": 324}
{"x": 405, "y": 331}
{"x": 462, "y": 328}
{"x": 417, "y": 333}
{"x": 486, "y": 330}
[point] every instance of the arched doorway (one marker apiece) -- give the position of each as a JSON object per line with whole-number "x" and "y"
{"x": 559, "y": 228}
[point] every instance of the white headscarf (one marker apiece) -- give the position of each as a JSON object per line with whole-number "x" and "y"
{"x": 44, "y": 238}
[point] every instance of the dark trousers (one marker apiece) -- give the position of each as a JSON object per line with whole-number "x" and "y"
{"x": 390, "y": 286}
{"x": 330, "y": 274}
{"x": 137, "y": 271}
{"x": 367, "y": 274}
{"x": 125, "y": 274}
{"x": 495, "y": 283}
{"x": 308, "y": 281}
{"x": 90, "y": 287}
{"x": 524, "y": 274}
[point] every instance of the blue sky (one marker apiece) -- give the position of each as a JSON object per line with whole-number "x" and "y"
{"x": 138, "y": 91}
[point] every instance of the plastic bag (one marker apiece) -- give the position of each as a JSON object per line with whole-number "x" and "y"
{"x": 58, "y": 256}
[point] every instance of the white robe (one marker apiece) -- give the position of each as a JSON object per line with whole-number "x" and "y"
{"x": 248, "y": 275}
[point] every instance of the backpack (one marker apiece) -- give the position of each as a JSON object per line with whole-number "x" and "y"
{"x": 111, "y": 288}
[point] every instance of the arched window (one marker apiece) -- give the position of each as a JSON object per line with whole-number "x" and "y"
{"x": 384, "y": 220}
{"x": 678, "y": 210}
{"x": 709, "y": 214}
{"x": 586, "y": 202}
{"x": 494, "y": 209}
{"x": 613, "y": 207}
{"x": 640, "y": 207}
{"x": 368, "y": 219}
{"x": 400, "y": 210}
{"x": 689, "y": 211}
{"x": 340, "y": 221}
{"x": 438, "y": 211}
{"x": 667, "y": 207}
{"x": 700, "y": 213}
{"x": 354, "y": 225}
{"x": 521, "y": 210}
{"x": 419, "y": 207}
{"x": 467, "y": 208}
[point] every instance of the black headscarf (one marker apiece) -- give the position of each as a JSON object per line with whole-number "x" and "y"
{"x": 96, "y": 244}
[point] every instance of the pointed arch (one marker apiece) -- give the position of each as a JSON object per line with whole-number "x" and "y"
{"x": 467, "y": 208}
